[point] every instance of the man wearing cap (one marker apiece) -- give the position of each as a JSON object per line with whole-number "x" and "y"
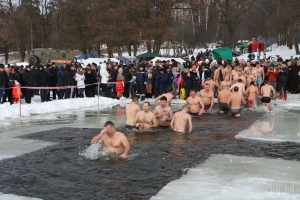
{"x": 162, "y": 81}
{"x": 27, "y": 79}
{"x": 112, "y": 140}
{"x": 141, "y": 78}
{"x": 2, "y": 82}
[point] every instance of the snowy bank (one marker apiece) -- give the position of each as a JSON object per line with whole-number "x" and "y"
{"x": 38, "y": 108}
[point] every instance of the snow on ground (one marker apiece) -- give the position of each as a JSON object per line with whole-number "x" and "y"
{"x": 15, "y": 197}
{"x": 37, "y": 108}
{"x": 236, "y": 177}
{"x": 282, "y": 51}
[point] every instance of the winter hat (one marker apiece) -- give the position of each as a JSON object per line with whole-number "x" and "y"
{"x": 2, "y": 66}
{"x": 28, "y": 66}
{"x": 61, "y": 67}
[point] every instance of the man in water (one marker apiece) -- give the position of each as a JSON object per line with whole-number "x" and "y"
{"x": 180, "y": 120}
{"x": 163, "y": 113}
{"x": 236, "y": 100}
{"x": 145, "y": 119}
{"x": 131, "y": 111}
{"x": 113, "y": 140}
{"x": 168, "y": 95}
{"x": 223, "y": 98}
{"x": 207, "y": 97}
{"x": 266, "y": 94}
{"x": 195, "y": 103}
{"x": 240, "y": 85}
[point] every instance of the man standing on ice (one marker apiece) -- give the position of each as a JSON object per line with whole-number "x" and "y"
{"x": 266, "y": 94}
{"x": 113, "y": 140}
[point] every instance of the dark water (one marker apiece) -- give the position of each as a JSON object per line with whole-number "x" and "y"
{"x": 58, "y": 172}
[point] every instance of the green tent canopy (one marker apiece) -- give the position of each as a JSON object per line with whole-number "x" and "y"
{"x": 225, "y": 52}
{"x": 148, "y": 55}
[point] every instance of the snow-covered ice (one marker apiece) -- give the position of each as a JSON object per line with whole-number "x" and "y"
{"x": 235, "y": 178}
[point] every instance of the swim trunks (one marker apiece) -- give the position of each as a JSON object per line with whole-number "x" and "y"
{"x": 265, "y": 99}
{"x": 206, "y": 107}
{"x": 193, "y": 114}
{"x": 235, "y": 111}
{"x": 250, "y": 100}
{"x": 224, "y": 107}
{"x": 130, "y": 127}
{"x": 259, "y": 81}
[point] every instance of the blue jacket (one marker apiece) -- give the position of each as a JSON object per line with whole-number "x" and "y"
{"x": 141, "y": 76}
{"x": 284, "y": 76}
{"x": 162, "y": 79}
{"x": 60, "y": 77}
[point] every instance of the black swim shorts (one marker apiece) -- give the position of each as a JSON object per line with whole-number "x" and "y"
{"x": 224, "y": 107}
{"x": 266, "y": 99}
{"x": 193, "y": 114}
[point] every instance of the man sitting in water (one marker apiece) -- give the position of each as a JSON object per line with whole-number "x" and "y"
{"x": 168, "y": 95}
{"x": 236, "y": 100}
{"x": 113, "y": 140}
{"x": 163, "y": 112}
{"x": 145, "y": 119}
{"x": 131, "y": 111}
{"x": 207, "y": 97}
{"x": 266, "y": 94}
{"x": 195, "y": 103}
{"x": 180, "y": 120}
{"x": 223, "y": 98}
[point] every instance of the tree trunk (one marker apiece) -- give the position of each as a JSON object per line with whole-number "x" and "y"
{"x": 129, "y": 48}
{"x": 297, "y": 46}
{"x": 134, "y": 49}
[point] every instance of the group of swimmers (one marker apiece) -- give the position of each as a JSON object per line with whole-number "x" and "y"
{"x": 230, "y": 98}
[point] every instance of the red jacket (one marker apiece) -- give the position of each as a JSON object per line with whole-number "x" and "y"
{"x": 272, "y": 75}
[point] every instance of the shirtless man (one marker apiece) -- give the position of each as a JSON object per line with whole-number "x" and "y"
{"x": 241, "y": 76}
{"x": 145, "y": 119}
{"x": 224, "y": 83}
{"x": 169, "y": 96}
{"x": 260, "y": 73}
{"x": 163, "y": 113}
{"x": 113, "y": 140}
{"x": 234, "y": 74}
{"x": 180, "y": 120}
{"x": 207, "y": 97}
{"x": 266, "y": 94}
{"x": 227, "y": 71}
{"x": 223, "y": 98}
{"x": 131, "y": 111}
{"x": 212, "y": 84}
{"x": 251, "y": 92}
{"x": 195, "y": 103}
{"x": 218, "y": 74}
{"x": 236, "y": 100}
{"x": 251, "y": 75}
{"x": 240, "y": 85}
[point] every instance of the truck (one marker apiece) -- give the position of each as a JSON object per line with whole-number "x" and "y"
{"x": 44, "y": 55}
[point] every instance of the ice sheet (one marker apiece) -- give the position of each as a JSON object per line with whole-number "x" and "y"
{"x": 235, "y": 177}
{"x": 15, "y": 197}
{"x": 282, "y": 123}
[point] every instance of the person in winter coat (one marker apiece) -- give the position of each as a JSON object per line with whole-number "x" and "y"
{"x": 195, "y": 80}
{"x": 2, "y": 82}
{"x": 295, "y": 78}
{"x": 73, "y": 81}
{"x": 120, "y": 83}
{"x": 54, "y": 69}
{"x": 272, "y": 74}
{"x": 60, "y": 82}
{"x": 113, "y": 77}
{"x": 9, "y": 81}
{"x": 79, "y": 78}
{"x": 89, "y": 80}
{"x": 104, "y": 79}
{"x": 141, "y": 78}
{"x": 162, "y": 80}
{"x": 42, "y": 80}
{"x": 27, "y": 80}
{"x": 50, "y": 79}
{"x": 283, "y": 81}
{"x": 186, "y": 76}
{"x": 127, "y": 75}
{"x": 67, "y": 81}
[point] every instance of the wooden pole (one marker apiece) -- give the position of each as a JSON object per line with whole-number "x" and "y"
{"x": 19, "y": 91}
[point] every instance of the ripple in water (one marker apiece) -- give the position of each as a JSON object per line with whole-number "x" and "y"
{"x": 97, "y": 151}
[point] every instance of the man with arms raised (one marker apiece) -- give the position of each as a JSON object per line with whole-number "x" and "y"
{"x": 195, "y": 104}
{"x": 180, "y": 120}
{"x": 145, "y": 119}
{"x": 113, "y": 140}
{"x": 207, "y": 97}
{"x": 131, "y": 111}
{"x": 266, "y": 94}
{"x": 163, "y": 113}
{"x": 236, "y": 100}
{"x": 223, "y": 98}
{"x": 168, "y": 95}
